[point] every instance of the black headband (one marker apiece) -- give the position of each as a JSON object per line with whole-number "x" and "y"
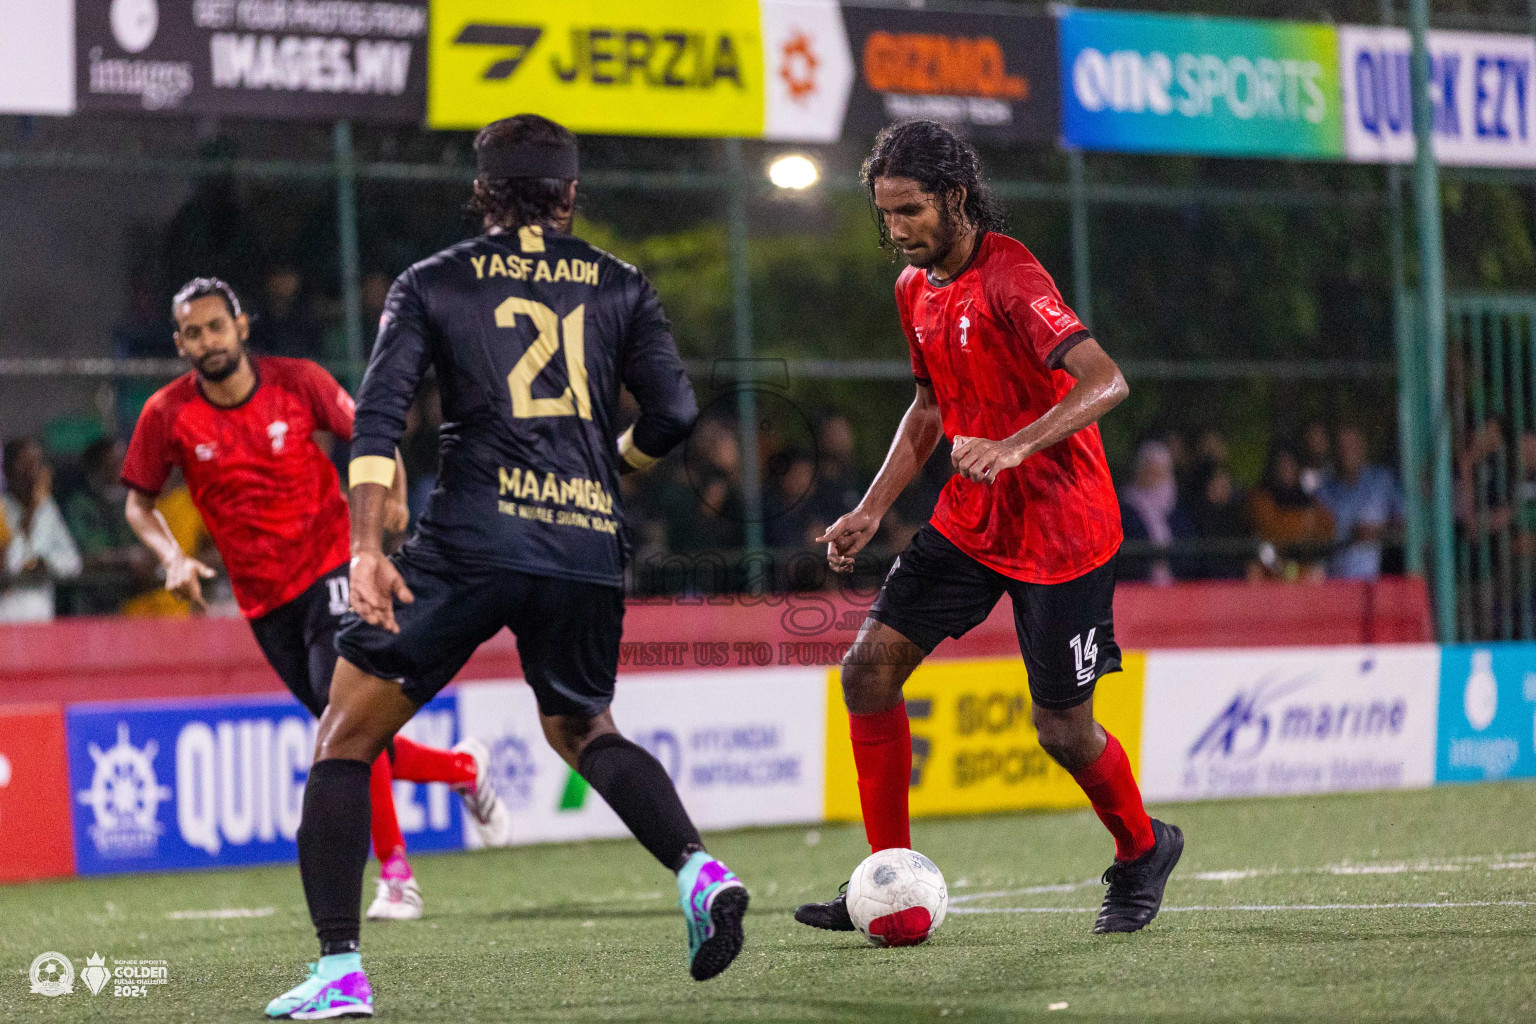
{"x": 530, "y": 161}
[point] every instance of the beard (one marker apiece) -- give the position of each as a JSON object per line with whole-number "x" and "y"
{"x": 218, "y": 366}
{"x": 940, "y": 247}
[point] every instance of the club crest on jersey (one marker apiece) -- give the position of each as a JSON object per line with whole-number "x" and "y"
{"x": 206, "y": 452}
{"x": 1056, "y": 316}
{"x": 965, "y": 325}
{"x": 278, "y": 432}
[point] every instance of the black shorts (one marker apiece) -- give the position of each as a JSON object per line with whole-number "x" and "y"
{"x": 299, "y": 638}
{"x": 1066, "y": 630}
{"x": 567, "y": 632}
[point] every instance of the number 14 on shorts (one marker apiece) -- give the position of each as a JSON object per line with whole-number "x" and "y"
{"x": 1085, "y": 653}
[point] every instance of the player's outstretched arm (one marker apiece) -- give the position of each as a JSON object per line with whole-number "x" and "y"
{"x": 183, "y": 573}
{"x": 1100, "y": 387}
{"x": 375, "y": 582}
{"x": 916, "y": 438}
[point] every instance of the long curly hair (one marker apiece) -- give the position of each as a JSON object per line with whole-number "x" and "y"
{"x": 511, "y": 203}
{"x": 943, "y": 164}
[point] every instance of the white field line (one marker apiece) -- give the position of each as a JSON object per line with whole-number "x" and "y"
{"x": 221, "y": 914}
{"x": 1489, "y": 862}
{"x": 1260, "y": 908}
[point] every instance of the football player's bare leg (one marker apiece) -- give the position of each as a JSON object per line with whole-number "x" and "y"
{"x": 1100, "y": 766}
{"x": 874, "y": 673}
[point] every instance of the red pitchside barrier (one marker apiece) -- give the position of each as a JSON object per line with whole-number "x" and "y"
{"x": 109, "y": 658}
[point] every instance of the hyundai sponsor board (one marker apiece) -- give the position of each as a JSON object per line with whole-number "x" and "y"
{"x": 1288, "y": 720}
{"x": 1155, "y": 83}
{"x": 1480, "y": 88}
{"x": 171, "y": 785}
{"x": 743, "y": 748}
{"x": 1487, "y": 713}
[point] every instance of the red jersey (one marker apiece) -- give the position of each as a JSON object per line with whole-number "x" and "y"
{"x": 270, "y": 496}
{"x": 990, "y": 343}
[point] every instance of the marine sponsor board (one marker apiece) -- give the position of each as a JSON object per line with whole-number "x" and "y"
{"x": 1480, "y": 87}
{"x": 974, "y": 746}
{"x": 1487, "y": 713}
{"x": 185, "y": 784}
{"x": 995, "y": 75}
{"x": 37, "y": 57}
{"x": 1288, "y": 720}
{"x": 657, "y": 67}
{"x": 743, "y": 747}
{"x": 301, "y": 59}
{"x": 1154, "y": 83}
{"x": 34, "y": 794}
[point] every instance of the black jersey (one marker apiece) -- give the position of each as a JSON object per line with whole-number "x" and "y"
{"x": 531, "y": 333}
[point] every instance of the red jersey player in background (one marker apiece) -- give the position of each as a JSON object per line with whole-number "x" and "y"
{"x": 241, "y": 429}
{"x": 1008, "y": 372}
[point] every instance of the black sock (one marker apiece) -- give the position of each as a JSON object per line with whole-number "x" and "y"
{"x": 638, "y": 789}
{"x": 333, "y": 849}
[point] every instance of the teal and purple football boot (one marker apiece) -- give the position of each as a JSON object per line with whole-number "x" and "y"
{"x": 714, "y": 901}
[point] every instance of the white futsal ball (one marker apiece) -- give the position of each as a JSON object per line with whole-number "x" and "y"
{"x": 897, "y": 898}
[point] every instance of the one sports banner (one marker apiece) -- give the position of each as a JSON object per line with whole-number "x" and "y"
{"x": 1480, "y": 91}
{"x": 779, "y": 68}
{"x": 1487, "y": 713}
{"x": 744, "y": 747}
{"x": 284, "y": 59}
{"x": 1153, "y": 83}
{"x": 1287, "y": 720}
{"x": 993, "y": 74}
{"x": 974, "y": 745}
{"x": 169, "y": 785}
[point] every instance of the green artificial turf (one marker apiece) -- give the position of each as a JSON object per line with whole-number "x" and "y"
{"x": 590, "y": 931}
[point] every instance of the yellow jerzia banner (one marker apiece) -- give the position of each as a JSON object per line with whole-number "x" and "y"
{"x": 627, "y": 67}
{"x": 973, "y": 746}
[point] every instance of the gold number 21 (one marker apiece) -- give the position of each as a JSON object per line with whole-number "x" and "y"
{"x": 576, "y": 401}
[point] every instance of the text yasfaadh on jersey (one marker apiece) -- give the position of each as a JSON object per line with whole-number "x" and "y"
{"x": 268, "y": 494}
{"x": 990, "y": 342}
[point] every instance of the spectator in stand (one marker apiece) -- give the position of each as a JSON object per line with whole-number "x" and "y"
{"x": 285, "y": 325}
{"x": 1150, "y": 514}
{"x": 1365, "y": 502}
{"x": 1216, "y": 514}
{"x": 41, "y": 550}
{"x": 839, "y": 484}
{"x": 711, "y": 517}
{"x": 1317, "y": 457}
{"x": 118, "y": 565}
{"x": 1294, "y": 526}
{"x": 789, "y": 522}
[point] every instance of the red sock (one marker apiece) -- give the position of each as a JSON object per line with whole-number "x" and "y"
{"x": 882, "y": 753}
{"x": 385, "y": 827}
{"x": 1117, "y": 800}
{"x": 416, "y": 763}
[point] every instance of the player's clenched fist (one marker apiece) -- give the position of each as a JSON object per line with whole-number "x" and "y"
{"x": 376, "y": 585}
{"x": 846, "y": 538}
{"x": 978, "y": 459}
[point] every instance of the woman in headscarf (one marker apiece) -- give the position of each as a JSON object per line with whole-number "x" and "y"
{"x": 1150, "y": 514}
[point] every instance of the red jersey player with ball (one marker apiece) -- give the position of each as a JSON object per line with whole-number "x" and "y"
{"x": 240, "y": 428}
{"x": 1006, "y": 370}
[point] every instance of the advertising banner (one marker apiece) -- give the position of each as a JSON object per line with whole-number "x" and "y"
{"x": 34, "y": 794}
{"x": 37, "y": 57}
{"x": 1487, "y": 713}
{"x": 1288, "y": 720}
{"x": 1480, "y": 89}
{"x": 974, "y": 748}
{"x": 285, "y": 59}
{"x": 809, "y": 70}
{"x": 995, "y": 74}
{"x": 654, "y": 67}
{"x": 1153, "y": 83}
{"x": 168, "y": 785}
{"x": 743, "y": 748}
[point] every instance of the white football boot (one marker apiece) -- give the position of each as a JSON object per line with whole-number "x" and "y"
{"x": 492, "y": 820}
